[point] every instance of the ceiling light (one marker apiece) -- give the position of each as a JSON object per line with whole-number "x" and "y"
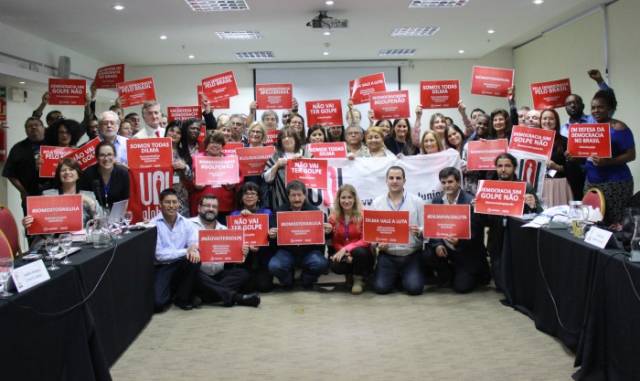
{"x": 191, "y": 56}
{"x": 259, "y": 55}
{"x": 217, "y": 5}
{"x": 538, "y": 2}
{"x": 239, "y": 35}
{"x": 437, "y": 3}
{"x": 22, "y": 82}
{"x": 118, "y": 7}
{"x": 461, "y": 51}
{"x": 329, "y": 2}
{"x": 491, "y": 31}
{"x": 163, "y": 37}
{"x": 424, "y": 31}
{"x": 327, "y": 33}
{"x": 396, "y": 52}
{"x": 325, "y": 53}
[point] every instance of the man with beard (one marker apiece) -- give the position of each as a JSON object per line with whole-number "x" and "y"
{"x": 462, "y": 261}
{"x": 574, "y": 106}
{"x": 108, "y": 126}
{"x": 218, "y": 282}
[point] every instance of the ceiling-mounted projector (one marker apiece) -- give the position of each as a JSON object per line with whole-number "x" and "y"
{"x": 322, "y": 21}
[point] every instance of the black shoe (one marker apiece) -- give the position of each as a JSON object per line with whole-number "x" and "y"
{"x": 248, "y": 300}
{"x": 186, "y": 306}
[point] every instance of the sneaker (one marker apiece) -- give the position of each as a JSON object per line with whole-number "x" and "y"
{"x": 358, "y": 285}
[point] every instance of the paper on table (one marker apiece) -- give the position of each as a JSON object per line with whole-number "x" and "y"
{"x": 537, "y": 222}
{"x": 71, "y": 251}
{"x": 117, "y": 211}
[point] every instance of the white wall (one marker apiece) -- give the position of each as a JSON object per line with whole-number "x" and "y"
{"x": 577, "y": 47}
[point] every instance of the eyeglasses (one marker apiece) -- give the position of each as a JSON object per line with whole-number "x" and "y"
{"x": 250, "y": 193}
{"x": 105, "y": 155}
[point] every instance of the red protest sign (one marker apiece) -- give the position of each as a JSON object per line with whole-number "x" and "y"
{"x": 324, "y": 113}
{"x": 532, "y": 140}
{"x": 360, "y": 90}
{"x": 215, "y": 104}
{"x": 230, "y": 148}
{"x": 439, "y": 94}
{"x": 50, "y": 156}
{"x": 333, "y": 150}
{"x": 216, "y": 171}
{"x": 502, "y": 198}
{"x": 71, "y": 92}
{"x": 55, "y": 214}
{"x": 491, "y": 81}
{"x": 300, "y": 228}
{"x": 586, "y": 140}
{"x": 447, "y": 221}
{"x": 220, "y": 246}
{"x": 220, "y": 86}
{"x": 183, "y": 112}
{"x": 390, "y": 104}
{"x": 481, "y": 154}
{"x": 272, "y": 137}
{"x": 108, "y": 77}
{"x": 85, "y": 155}
{"x": 312, "y": 172}
{"x": 252, "y": 160}
{"x": 274, "y": 96}
{"x": 383, "y": 226}
{"x": 136, "y": 92}
{"x": 254, "y": 226}
{"x": 550, "y": 94}
{"x": 149, "y": 153}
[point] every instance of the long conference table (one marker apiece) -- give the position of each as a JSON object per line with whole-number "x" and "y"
{"x": 43, "y": 338}
{"x": 584, "y": 296}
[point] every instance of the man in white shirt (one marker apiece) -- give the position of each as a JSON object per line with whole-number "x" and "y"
{"x": 217, "y": 282}
{"x": 400, "y": 261}
{"x": 152, "y": 116}
{"x": 108, "y": 125}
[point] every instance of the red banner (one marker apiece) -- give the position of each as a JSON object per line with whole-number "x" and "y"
{"x": 440, "y": 94}
{"x": 252, "y": 160}
{"x": 70, "y": 92}
{"x": 532, "y": 140}
{"x": 136, "y": 92}
{"x": 231, "y": 148}
{"x": 360, "y": 90}
{"x": 383, "y": 226}
{"x": 300, "y": 228}
{"x": 586, "y": 140}
{"x": 447, "y": 221}
{"x": 220, "y": 104}
{"x": 149, "y": 153}
{"x": 324, "y": 113}
{"x": 183, "y": 113}
{"x": 55, "y": 214}
{"x": 85, "y": 155}
{"x": 390, "y": 105}
{"x": 220, "y": 246}
{"x": 502, "y": 198}
{"x": 312, "y": 172}
{"x": 145, "y": 187}
{"x": 254, "y": 226}
{"x": 481, "y": 154}
{"x": 274, "y": 96}
{"x": 491, "y": 81}
{"x": 333, "y": 150}
{"x": 108, "y": 77}
{"x": 216, "y": 171}
{"x": 272, "y": 137}
{"x": 50, "y": 156}
{"x": 220, "y": 86}
{"x": 550, "y": 94}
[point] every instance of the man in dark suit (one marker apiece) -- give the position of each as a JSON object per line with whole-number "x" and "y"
{"x": 461, "y": 261}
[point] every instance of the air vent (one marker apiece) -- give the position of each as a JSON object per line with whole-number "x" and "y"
{"x": 262, "y": 55}
{"x": 217, "y": 5}
{"x": 437, "y": 3}
{"x": 239, "y": 35}
{"x": 396, "y": 52}
{"x": 425, "y": 31}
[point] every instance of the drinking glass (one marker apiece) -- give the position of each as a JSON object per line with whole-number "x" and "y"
{"x": 127, "y": 218}
{"x": 6, "y": 265}
{"x": 52, "y": 246}
{"x": 65, "y": 242}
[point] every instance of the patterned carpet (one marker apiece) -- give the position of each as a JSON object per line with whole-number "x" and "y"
{"x": 333, "y": 335}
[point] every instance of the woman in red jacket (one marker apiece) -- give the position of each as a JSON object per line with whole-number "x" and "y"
{"x": 350, "y": 254}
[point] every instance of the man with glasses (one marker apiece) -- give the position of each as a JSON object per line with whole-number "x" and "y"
{"x": 237, "y": 129}
{"x": 108, "y": 126}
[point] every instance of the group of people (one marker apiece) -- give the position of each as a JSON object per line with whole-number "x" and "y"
{"x": 187, "y": 207}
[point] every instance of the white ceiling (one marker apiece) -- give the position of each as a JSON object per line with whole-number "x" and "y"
{"x": 93, "y": 28}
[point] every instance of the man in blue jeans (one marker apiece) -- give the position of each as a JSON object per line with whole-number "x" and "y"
{"x": 402, "y": 262}
{"x": 308, "y": 257}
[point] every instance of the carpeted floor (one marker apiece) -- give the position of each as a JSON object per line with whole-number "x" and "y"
{"x": 333, "y": 335}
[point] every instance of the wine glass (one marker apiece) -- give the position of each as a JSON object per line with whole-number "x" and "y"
{"x": 127, "y": 218}
{"x": 65, "y": 242}
{"x": 52, "y": 246}
{"x": 6, "y": 265}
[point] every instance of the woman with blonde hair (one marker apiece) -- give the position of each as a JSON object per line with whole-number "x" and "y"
{"x": 430, "y": 143}
{"x": 374, "y": 140}
{"x": 349, "y": 254}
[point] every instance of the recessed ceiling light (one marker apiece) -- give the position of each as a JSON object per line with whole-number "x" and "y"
{"x": 217, "y": 5}
{"x": 424, "y": 31}
{"x": 22, "y": 82}
{"x": 538, "y": 2}
{"x": 437, "y": 3}
{"x": 461, "y": 51}
{"x": 239, "y": 35}
{"x": 327, "y": 33}
{"x": 163, "y": 37}
{"x": 325, "y": 53}
{"x": 118, "y": 7}
{"x": 491, "y": 31}
{"x": 396, "y": 52}
{"x": 191, "y": 56}
{"x": 259, "y": 55}
{"x": 329, "y": 2}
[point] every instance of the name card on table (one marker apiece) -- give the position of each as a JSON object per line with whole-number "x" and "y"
{"x": 383, "y": 226}
{"x": 221, "y": 246}
{"x": 597, "y": 237}
{"x": 30, "y": 275}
